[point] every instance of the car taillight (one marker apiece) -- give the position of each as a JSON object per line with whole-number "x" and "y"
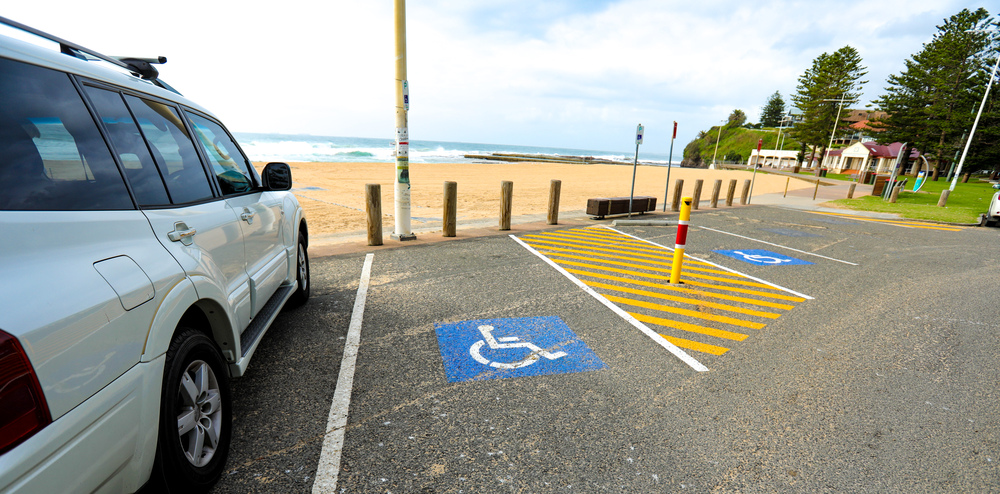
{"x": 23, "y": 410}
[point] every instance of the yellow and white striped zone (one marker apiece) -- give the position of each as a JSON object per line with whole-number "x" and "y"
{"x": 903, "y": 223}
{"x": 712, "y": 308}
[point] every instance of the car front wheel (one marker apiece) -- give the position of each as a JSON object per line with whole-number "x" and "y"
{"x": 195, "y": 414}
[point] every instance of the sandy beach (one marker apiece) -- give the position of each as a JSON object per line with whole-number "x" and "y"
{"x": 333, "y": 194}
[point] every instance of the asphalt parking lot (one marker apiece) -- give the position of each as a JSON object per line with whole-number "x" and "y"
{"x": 877, "y": 372}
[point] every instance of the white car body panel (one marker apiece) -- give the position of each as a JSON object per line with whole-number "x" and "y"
{"x": 87, "y": 339}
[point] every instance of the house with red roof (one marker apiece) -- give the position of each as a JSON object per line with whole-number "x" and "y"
{"x": 868, "y": 156}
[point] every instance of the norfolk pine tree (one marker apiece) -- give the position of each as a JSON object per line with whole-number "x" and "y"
{"x": 831, "y": 77}
{"x": 773, "y": 110}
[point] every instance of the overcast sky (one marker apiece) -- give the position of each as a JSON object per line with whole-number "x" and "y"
{"x": 562, "y": 73}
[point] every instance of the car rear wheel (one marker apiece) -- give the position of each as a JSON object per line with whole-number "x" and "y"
{"x": 195, "y": 414}
{"x": 301, "y": 294}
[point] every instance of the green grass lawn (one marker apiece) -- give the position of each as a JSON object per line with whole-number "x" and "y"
{"x": 965, "y": 203}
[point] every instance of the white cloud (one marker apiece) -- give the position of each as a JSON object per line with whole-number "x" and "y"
{"x": 556, "y": 73}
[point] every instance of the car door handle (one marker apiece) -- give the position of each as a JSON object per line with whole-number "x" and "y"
{"x": 182, "y": 233}
{"x": 247, "y": 215}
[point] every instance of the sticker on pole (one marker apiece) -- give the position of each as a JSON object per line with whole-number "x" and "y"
{"x": 762, "y": 257}
{"x": 519, "y": 347}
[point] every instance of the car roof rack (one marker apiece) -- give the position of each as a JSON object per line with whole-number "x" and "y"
{"x": 140, "y": 67}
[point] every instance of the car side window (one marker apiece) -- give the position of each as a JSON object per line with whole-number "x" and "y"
{"x": 230, "y": 166}
{"x": 52, "y": 155}
{"x": 147, "y": 184}
{"x": 172, "y": 150}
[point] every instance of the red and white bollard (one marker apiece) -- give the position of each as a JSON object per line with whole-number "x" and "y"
{"x": 682, "y": 233}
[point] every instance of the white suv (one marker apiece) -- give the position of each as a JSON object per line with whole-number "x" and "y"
{"x": 142, "y": 258}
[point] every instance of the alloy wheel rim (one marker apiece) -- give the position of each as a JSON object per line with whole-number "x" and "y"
{"x": 303, "y": 268}
{"x": 199, "y": 414}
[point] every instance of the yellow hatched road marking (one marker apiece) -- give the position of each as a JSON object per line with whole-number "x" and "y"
{"x": 721, "y": 296}
{"x": 640, "y": 266}
{"x": 598, "y": 251}
{"x": 695, "y": 345}
{"x": 911, "y": 224}
{"x": 686, "y": 279}
{"x": 625, "y": 271}
{"x": 743, "y": 290}
{"x": 683, "y": 300}
{"x": 686, "y": 312}
{"x": 665, "y": 255}
{"x": 588, "y": 236}
{"x": 631, "y": 247}
{"x": 691, "y": 328}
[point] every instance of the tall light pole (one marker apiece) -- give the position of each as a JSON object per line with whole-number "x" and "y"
{"x": 974, "y": 124}
{"x": 402, "y": 186}
{"x": 781, "y": 125}
{"x": 835, "y": 122}
{"x": 717, "y": 139}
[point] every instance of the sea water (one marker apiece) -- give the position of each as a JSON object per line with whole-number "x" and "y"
{"x": 282, "y": 147}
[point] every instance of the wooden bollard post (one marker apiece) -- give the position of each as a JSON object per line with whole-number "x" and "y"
{"x": 373, "y": 209}
{"x": 731, "y": 192}
{"x": 715, "y": 193}
{"x": 554, "y": 187}
{"x": 787, "y": 181}
{"x": 696, "y": 196}
{"x": 506, "y": 195}
{"x": 817, "y": 189}
{"x": 850, "y": 191}
{"x": 450, "y": 215}
{"x": 895, "y": 194}
{"x": 678, "y": 188}
{"x": 745, "y": 193}
{"x": 965, "y": 178}
{"x": 943, "y": 200}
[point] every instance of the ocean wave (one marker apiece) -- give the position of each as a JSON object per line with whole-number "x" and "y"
{"x": 307, "y": 148}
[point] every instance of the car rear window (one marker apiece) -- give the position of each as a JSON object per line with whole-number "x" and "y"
{"x": 147, "y": 184}
{"x": 52, "y": 155}
{"x": 173, "y": 150}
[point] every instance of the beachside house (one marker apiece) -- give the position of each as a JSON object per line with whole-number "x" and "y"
{"x": 867, "y": 156}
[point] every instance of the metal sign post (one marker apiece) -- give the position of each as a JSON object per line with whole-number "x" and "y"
{"x": 753, "y": 177}
{"x": 638, "y": 140}
{"x": 670, "y": 164}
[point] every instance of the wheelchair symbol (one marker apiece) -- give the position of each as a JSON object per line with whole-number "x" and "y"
{"x": 762, "y": 259}
{"x": 506, "y": 343}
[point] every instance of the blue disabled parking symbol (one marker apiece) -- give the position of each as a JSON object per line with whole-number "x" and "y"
{"x": 501, "y": 348}
{"x": 762, "y": 257}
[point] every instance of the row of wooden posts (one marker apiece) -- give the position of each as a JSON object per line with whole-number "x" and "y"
{"x": 373, "y": 204}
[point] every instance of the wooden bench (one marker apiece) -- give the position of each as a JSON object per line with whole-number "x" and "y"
{"x": 606, "y": 206}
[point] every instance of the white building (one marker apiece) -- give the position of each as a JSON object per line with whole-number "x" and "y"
{"x": 775, "y": 158}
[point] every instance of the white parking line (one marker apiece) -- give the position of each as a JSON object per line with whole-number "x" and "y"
{"x": 333, "y": 444}
{"x": 674, "y": 349}
{"x": 776, "y": 245}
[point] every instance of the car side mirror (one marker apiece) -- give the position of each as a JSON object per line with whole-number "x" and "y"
{"x": 277, "y": 176}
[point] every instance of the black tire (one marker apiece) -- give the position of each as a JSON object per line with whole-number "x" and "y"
{"x": 182, "y": 464}
{"x": 301, "y": 295}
